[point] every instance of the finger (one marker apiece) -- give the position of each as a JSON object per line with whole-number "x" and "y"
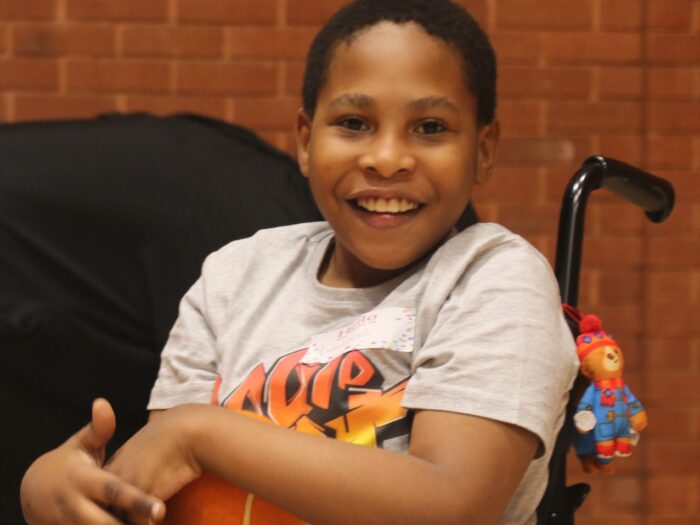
{"x": 93, "y": 438}
{"x": 89, "y": 513}
{"x": 106, "y": 488}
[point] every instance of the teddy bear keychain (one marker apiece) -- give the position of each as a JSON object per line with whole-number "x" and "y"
{"x": 608, "y": 417}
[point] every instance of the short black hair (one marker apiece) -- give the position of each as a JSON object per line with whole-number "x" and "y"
{"x": 442, "y": 19}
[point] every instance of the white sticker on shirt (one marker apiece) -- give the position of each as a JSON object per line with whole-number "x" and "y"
{"x": 386, "y": 328}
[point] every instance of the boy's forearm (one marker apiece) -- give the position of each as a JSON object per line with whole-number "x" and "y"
{"x": 327, "y": 481}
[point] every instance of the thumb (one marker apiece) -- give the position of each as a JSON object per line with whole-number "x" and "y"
{"x": 93, "y": 438}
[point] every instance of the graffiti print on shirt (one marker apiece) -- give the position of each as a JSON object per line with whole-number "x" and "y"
{"x": 341, "y": 399}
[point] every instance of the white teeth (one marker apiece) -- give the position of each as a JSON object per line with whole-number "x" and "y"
{"x": 380, "y": 205}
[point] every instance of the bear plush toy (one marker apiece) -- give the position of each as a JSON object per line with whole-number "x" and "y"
{"x": 609, "y": 416}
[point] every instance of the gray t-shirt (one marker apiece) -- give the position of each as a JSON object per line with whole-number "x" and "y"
{"x": 476, "y": 328}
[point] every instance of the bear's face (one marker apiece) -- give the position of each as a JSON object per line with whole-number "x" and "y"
{"x": 604, "y": 362}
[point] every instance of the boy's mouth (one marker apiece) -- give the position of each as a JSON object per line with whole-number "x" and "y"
{"x": 381, "y": 205}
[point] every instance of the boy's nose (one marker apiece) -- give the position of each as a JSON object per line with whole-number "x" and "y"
{"x": 387, "y": 157}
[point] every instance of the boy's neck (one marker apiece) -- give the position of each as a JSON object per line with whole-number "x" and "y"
{"x": 341, "y": 269}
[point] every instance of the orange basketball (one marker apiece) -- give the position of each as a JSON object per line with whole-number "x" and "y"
{"x": 210, "y": 500}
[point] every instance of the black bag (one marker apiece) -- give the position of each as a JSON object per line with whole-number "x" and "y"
{"x": 103, "y": 227}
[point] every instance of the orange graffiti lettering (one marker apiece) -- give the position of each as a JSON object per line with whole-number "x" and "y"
{"x": 282, "y": 411}
{"x": 355, "y": 370}
{"x": 323, "y": 383}
{"x": 369, "y": 411}
{"x": 251, "y": 389}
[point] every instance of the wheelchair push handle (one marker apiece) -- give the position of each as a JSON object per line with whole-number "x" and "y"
{"x": 653, "y": 194}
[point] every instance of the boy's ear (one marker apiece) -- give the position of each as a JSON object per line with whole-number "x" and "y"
{"x": 303, "y": 135}
{"x": 489, "y": 136}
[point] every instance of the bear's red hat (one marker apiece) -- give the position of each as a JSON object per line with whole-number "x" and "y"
{"x": 592, "y": 336}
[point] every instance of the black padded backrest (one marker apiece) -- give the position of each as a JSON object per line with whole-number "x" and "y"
{"x": 104, "y": 225}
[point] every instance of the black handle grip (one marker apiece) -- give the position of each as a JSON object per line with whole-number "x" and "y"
{"x": 653, "y": 194}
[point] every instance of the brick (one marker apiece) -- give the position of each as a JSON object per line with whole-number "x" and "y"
{"x": 288, "y": 144}
{"x": 159, "y": 105}
{"x": 543, "y": 14}
{"x": 672, "y": 390}
{"x": 669, "y": 354}
{"x": 670, "y": 494}
{"x": 261, "y": 42}
{"x": 173, "y": 41}
{"x": 122, "y": 10}
{"x": 686, "y": 184}
{"x": 293, "y": 77}
{"x": 622, "y": 252}
{"x": 672, "y": 320}
{"x": 305, "y": 12}
{"x": 29, "y": 74}
{"x": 673, "y": 458}
{"x": 627, "y": 148}
{"x": 674, "y": 253}
{"x": 668, "y": 423}
{"x": 541, "y": 151}
{"x": 510, "y": 186}
{"x": 530, "y": 219}
{"x": 621, "y": 83}
{"x": 669, "y": 287}
{"x": 622, "y": 493}
{"x": 51, "y": 40}
{"x": 673, "y": 520}
{"x": 670, "y": 14}
{"x": 674, "y": 116}
{"x": 52, "y": 107}
{"x": 219, "y": 78}
{"x": 620, "y": 287}
{"x": 578, "y": 117}
{"x": 670, "y": 152}
{"x": 556, "y": 181}
{"x": 623, "y": 320}
{"x": 679, "y": 225}
{"x": 3, "y": 38}
{"x": 519, "y": 116}
{"x": 27, "y": 9}
{"x": 228, "y": 11}
{"x": 267, "y": 113}
{"x": 673, "y": 48}
{"x": 670, "y": 83}
{"x": 515, "y": 82}
{"x": 586, "y": 48}
{"x": 516, "y": 47}
{"x": 622, "y": 15}
{"x": 96, "y": 76}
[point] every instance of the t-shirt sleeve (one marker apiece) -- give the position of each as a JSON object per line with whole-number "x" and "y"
{"x": 500, "y": 347}
{"x": 188, "y": 362}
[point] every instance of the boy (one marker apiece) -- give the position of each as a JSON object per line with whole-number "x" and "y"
{"x": 380, "y": 325}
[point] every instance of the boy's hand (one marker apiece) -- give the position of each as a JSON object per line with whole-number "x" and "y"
{"x": 158, "y": 458}
{"x": 68, "y": 485}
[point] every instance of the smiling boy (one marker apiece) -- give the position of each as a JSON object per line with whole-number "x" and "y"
{"x": 446, "y": 352}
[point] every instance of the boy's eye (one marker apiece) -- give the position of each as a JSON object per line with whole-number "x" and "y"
{"x": 430, "y": 127}
{"x": 353, "y": 124}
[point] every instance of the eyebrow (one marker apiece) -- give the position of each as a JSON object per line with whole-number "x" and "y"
{"x": 361, "y": 101}
{"x": 434, "y": 102}
{"x": 353, "y": 99}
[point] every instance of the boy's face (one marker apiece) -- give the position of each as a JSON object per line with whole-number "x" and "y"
{"x": 393, "y": 150}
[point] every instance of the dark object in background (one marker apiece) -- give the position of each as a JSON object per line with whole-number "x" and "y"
{"x": 104, "y": 225}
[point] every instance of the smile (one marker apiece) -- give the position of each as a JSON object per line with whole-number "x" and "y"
{"x": 381, "y": 205}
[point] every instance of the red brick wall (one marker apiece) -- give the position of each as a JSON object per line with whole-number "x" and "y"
{"x": 615, "y": 77}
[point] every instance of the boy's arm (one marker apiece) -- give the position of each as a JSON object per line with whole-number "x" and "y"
{"x": 460, "y": 469}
